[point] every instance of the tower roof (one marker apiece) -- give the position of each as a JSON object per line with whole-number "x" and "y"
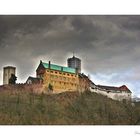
{"x": 9, "y": 67}
{"x": 72, "y": 58}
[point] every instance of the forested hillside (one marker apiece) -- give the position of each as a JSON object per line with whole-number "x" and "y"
{"x": 66, "y": 108}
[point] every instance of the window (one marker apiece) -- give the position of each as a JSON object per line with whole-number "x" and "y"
{"x": 51, "y": 71}
{"x": 56, "y": 76}
{"x": 68, "y": 74}
{"x": 29, "y": 82}
{"x": 52, "y": 76}
{"x": 56, "y": 72}
{"x": 73, "y": 79}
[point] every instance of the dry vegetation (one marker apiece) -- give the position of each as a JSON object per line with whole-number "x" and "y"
{"x": 66, "y": 108}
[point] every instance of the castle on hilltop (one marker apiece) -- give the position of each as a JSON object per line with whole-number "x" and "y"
{"x": 59, "y": 79}
{"x": 52, "y": 78}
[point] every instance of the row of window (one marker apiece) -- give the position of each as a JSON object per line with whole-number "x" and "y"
{"x": 63, "y": 78}
{"x": 56, "y": 72}
{"x": 62, "y": 84}
{"x": 66, "y": 88}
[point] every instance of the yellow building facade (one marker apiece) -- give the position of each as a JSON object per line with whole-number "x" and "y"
{"x": 57, "y": 78}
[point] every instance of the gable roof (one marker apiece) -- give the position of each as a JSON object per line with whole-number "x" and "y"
{"x": 112, "y": 88}
{"x": 82, "y": 75}
{"x": 34, "y": 80}
{"x": 109, "y": 87}
{"x": 58, "y": 67}
{"x": 124, "y": 88}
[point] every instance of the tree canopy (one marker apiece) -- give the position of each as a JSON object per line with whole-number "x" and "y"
{"x": 12, "y": 79}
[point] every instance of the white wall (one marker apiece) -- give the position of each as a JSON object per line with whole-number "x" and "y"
{"x": 113, "y": 95}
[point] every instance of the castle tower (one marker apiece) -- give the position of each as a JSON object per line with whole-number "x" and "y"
{"x": 74, "y": 62}
{"x": 7, "y": 71}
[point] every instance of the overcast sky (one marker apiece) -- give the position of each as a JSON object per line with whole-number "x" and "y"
{"x": 109, "y": 46}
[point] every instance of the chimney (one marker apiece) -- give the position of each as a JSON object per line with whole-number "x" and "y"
{"x": 61, "y": 68}
{"x": 49, "y": 64}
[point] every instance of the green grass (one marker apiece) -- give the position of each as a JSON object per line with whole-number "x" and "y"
{"x": 66, "y": 108}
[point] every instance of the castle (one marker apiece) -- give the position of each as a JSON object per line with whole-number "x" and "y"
{"x": 52, "y": 78}
{"x": 59, "y": 79}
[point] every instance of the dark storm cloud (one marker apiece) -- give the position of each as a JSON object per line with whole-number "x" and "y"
{"x": 106, "y": 44}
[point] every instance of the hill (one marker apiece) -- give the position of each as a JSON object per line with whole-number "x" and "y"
{"x": 66, "y": 108}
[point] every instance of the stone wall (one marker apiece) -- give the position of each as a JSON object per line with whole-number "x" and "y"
{"x": 22, "y": 88}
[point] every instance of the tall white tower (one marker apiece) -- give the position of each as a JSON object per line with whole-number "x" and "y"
{"x": 7, "y": 71}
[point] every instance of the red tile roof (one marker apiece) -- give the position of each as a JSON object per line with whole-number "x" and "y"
{"x": 121, "y": 88}
{"x": 124, "y": 88}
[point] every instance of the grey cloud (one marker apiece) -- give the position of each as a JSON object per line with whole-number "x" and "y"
{"x": 106, "y": 44}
